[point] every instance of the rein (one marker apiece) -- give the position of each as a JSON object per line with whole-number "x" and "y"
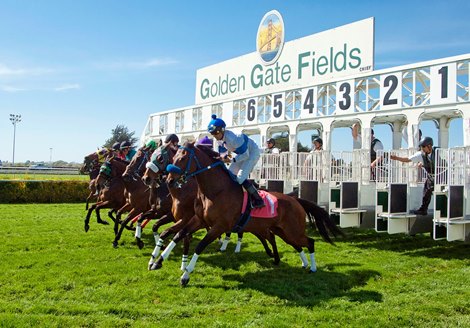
{"x": 145, "y": 159}
{"x": 185, "y": 175}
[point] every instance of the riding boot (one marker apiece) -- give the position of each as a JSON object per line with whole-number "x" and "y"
{"x": 256, "y": 200}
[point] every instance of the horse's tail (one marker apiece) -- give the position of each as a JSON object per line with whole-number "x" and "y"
{"x": 320, "y": 219}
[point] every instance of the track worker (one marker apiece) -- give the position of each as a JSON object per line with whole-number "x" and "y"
{"x": 425, "y": 158}
{"x": 247, "y": 155}
{"x": 270, "y": 147}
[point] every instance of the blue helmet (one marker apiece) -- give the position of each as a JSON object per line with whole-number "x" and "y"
{"x": 216, "y": 124}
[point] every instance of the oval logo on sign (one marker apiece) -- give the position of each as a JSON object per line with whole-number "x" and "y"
{"x": 270, "y": 37}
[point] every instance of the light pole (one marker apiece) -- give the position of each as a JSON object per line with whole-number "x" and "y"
{"x": 50, "y": 158}
{"x": 14, "y": 118}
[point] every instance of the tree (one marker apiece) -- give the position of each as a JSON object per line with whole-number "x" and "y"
{"x": 119, "y": 134}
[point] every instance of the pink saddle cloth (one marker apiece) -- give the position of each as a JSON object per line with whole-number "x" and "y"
{"x": 268, "y": 211}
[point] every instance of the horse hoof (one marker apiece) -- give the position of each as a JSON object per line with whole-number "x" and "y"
{"x": 87, "y": 227}
{"x": 115, "y": 244}
{"x": 140, "y": 243}
{"x": 277, "y": 261}
{"x": 184, "y": 282}
{"x": 157, "y": 265}
{"x": 312, "y": 271}
{"x": 103, "y": 222}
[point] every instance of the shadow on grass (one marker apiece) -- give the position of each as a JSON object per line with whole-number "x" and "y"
{"x": 309, "y": 289}
{"x": 418, "y": 245}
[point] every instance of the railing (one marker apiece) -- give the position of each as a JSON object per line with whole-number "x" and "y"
{"x": 41, "y": 170}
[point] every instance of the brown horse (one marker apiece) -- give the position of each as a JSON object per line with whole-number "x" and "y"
{"x": 220, "y": 205}
{"x": 111, "y": 196}
{"x": 137, "y": 196}
{"x": 91, "y": 166}
{"x": 160, "y": 201}
{"x": 183, "y": 205}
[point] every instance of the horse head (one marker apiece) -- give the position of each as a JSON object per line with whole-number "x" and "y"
{"x": 156, "y": 167}
{"x": 190, "y": 161}
{"x": 93, "y": 161}
{"x": 137, "y": 165}
{"x": 111, "y": 168}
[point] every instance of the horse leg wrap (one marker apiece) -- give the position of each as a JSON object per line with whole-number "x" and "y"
{"x": 145, "y": 223}
{"x": 157, "y": 248}
{"x": 138, "y": 230}
{"x": 184, "y": 262}
{"x": 134, "y": 220}
{"x": 224, "y": 244}
{"x": 303, "y": 257}
{"x": 192, "y": 263}
{"x": 313, "y": 265}
{"x": 168, "y": 250}
{"x": 157, "y": 238}
{"x": 239, "y": 245}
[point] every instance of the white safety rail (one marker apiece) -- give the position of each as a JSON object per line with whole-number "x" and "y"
{"x": 389, "y": 171}
{"x": 275, "y": 166}
{"x": 450, "y": 193}
{"x": 346, "y": 166}
{"x": 313, "y": 166}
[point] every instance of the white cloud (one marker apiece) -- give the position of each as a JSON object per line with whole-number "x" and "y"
{"x": 144, "y": 64}
{"x": 8, "y": 88}
{"x": 9, "y": 71}
{"x": 65, "y": 87}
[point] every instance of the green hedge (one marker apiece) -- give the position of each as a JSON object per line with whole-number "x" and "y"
{"x": 43, "y": 191}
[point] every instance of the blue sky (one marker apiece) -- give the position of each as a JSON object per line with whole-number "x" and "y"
{"x": 76, "y": 69}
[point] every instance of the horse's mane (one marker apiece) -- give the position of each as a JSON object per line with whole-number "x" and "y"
{"x": 209, "y": 152}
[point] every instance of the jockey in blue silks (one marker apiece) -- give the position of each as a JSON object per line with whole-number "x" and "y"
{"x": 247, "y": 155}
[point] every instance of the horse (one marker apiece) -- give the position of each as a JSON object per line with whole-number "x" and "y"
{"x": 135, "y": 191}
{"x": 91, "y": 166}
{"x": 111, "y": 196}
{"x": 159, "y": 197}
{"x": 183, "y": 204}
{"x": 220, "y": 205}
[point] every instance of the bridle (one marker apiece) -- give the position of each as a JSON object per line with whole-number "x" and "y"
{"x": 136, "y": 172}
{"x": 185, "y": 175}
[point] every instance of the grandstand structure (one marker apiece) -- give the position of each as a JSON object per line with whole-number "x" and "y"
{"x": 334, "y": 88}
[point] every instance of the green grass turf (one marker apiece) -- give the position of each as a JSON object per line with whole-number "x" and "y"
{"x": 53, "y": 274}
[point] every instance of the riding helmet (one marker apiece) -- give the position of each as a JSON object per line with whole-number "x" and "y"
{"x": 172, "y": 138}
{"x": 425, "y": 142}
{"x": 216, "y": 124}
{"x": 125, "y": 144}
{"x": 151, "y": 144}
{"x": 206, "y": 141}
{"x": 116, "y": 146}
{"x": 271, "y": 141}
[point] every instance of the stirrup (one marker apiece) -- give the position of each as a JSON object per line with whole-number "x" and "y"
{"x": 257, "y": 203}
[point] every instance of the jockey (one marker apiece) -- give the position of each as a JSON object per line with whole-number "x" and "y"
{"x": 173, "y": 140}
{"x": 127, "y": 151}
{"x": 116, "y": 147}
{"x": 207, "y": 142}
{"x": 151, "y": 145}
{"x": 247, "y": 155}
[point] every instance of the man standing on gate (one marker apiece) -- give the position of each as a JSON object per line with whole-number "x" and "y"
{"x": 425, "y": 158}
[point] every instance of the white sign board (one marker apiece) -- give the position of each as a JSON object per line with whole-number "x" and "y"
{"x": 309, "y": 61}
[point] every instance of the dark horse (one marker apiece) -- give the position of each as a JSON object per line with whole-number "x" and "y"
{"x": 183, "y": 206}
{"x": 111, "y": 196}
{"x": 220, "y": 205}
{"x": 159, "y": 198}
{"x": 137, "y": 196}
{"x": 91, "y": 166}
